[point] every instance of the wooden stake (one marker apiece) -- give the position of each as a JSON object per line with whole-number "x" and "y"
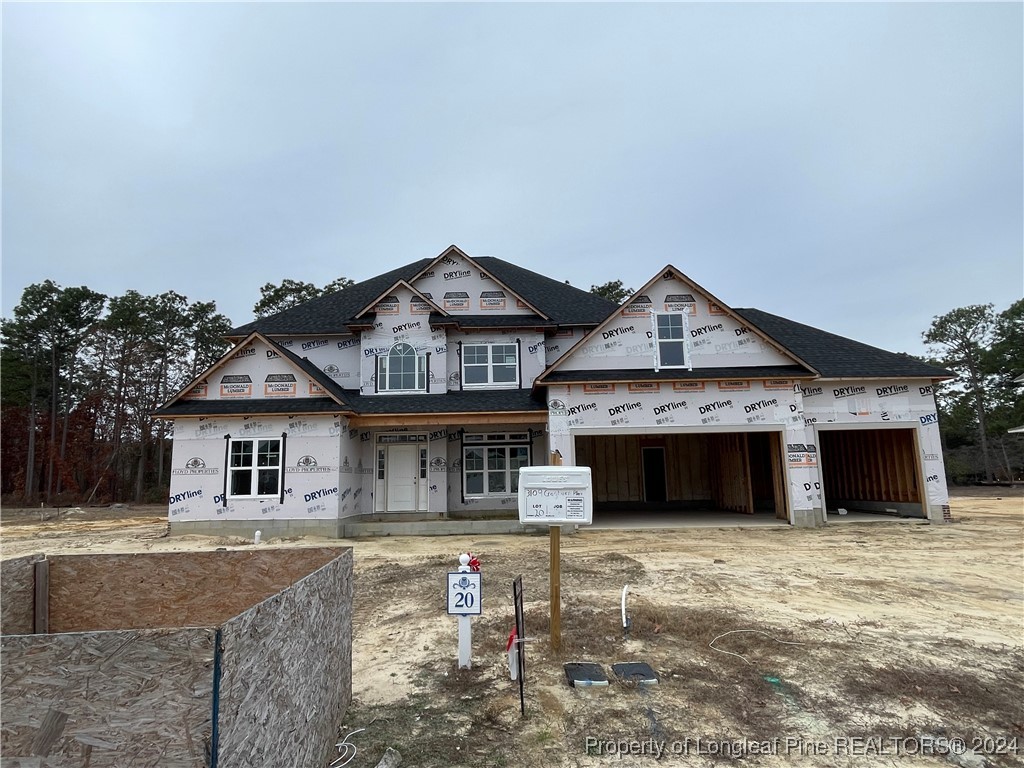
{"x": 556, "y": 587}
{"x": 555, "y": 575}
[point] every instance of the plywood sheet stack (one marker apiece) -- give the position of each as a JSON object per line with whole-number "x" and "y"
{"x": 108, "y": 695}
{"x": 287, "y": 666}
{"x": 108, "y": 699}
{"x": 173, "y": 589}
{"x": 17, "y": 582}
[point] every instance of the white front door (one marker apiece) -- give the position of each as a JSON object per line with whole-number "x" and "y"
{"x": 403, "y": 477}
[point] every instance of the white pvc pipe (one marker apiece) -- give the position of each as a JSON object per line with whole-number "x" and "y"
{"x": 625, "y": 591}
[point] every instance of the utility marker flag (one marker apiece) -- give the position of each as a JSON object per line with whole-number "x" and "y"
{"x": 513, "y": 656}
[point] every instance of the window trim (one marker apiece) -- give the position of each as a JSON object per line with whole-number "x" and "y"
{"x": 490, "y": 383}
{"x": 484, "y": 441}
{"x": 421, "y": 372}
{"x": 254, "y": 468}
{"x": 658, "y": 341}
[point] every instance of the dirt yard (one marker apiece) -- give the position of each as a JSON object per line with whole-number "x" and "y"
{"x": 872, "y": 644}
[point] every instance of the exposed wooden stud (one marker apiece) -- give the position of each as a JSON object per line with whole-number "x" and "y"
{"x": 778, "y": 456}
{"x": 635, "y": 490}
{"x": 746, "y": 473}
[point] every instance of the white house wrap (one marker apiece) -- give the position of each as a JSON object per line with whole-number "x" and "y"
{"x": 422, "y": 392}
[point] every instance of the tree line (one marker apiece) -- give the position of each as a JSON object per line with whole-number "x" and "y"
{"x": 81, "y": 374}
{"x": 985, "y": 349}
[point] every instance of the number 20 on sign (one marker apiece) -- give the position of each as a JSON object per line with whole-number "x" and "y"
{"x": 464, "y": 594}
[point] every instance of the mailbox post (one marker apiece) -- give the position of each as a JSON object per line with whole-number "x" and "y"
{"x": 556, "y": 496}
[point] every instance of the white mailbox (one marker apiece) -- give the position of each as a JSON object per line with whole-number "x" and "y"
{"x": 556, "y": 496}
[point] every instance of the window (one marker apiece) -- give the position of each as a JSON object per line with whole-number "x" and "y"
{"x": 402, "y": 370}
{"x": 254, "y": 467}
{"x": 490, "y": 365}
{"x": 671, "y": 331}
{"x": 490, "y": 465}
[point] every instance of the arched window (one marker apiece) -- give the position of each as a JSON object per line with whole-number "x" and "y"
{"x": 402, "y": 370}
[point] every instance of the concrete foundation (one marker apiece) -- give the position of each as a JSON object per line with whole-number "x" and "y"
{"x": 807, "y": 518}
{"x": 903, "y": 509}
{"x": 269, "y": 528}
{"x": 358, "y": 529}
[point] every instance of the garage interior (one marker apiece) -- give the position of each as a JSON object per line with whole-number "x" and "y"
{"x": 739, "y": 472}
{"x": 871, "y": 470}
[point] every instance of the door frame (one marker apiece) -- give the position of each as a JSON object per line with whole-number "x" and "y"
{"x": 643, "y": 471}
{"x": 384, "y": 441}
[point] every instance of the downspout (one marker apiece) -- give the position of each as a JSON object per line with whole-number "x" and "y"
{"x": 227, "y": 458}
{"x": 519, "y": 361}
{"x": 284, "y": 446}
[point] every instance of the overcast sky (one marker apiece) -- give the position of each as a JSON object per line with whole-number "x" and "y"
{"x": 855, "y": 167}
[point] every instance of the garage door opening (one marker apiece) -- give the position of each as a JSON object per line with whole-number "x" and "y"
{"x": 870, "y": 470}
{"x": 740, "y": 472}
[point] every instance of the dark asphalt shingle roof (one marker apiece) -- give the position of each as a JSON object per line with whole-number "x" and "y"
{"x": 466, "y": 401}
{"x": 267, "y": 406}
{"x": 837, "y": 356}
{"x": 330, "y": 313}
{"x": 681, "y": 374}
{"x": 564, "y": 304}
{"x": 493, "y": 321}
{"x": 470, "y": 401}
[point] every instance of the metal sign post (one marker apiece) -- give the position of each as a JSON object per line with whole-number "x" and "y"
{"x": 464, "y": 601}
{"x": 520, "y": 639}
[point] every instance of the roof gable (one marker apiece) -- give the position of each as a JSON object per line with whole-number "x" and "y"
{"x": 280, "y": 373}
{"x": 457, "y": 282}
{"x": 716, "y": 337}
{"x": 389, "y": 302}
{"x": 553, "y": 301}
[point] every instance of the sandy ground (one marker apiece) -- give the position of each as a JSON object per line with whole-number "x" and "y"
{"x": 858, "y": 644}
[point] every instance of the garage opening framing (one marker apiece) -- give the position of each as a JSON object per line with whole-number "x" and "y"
{"x": 682, "y": 469}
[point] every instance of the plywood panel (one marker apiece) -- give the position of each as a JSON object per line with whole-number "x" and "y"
{"x": 135, "y": 697}
{"x": 142, "y": 591}
{"x": 17, "y": 582}
{"x": 286, "y": 673}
